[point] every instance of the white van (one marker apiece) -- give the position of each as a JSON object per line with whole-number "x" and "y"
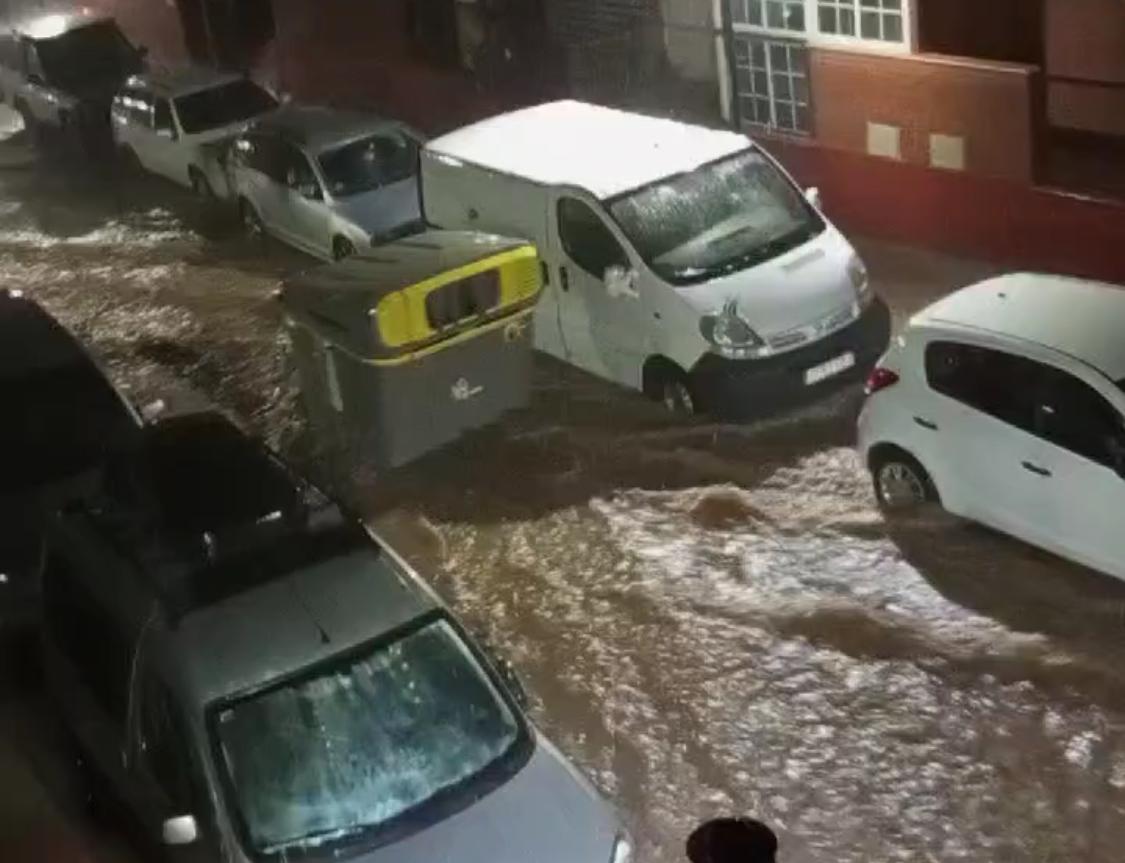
{"x": 677, "y": 260}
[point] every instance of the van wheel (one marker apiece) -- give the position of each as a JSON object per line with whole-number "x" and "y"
{"x": 252, "y": 225}
{"x": 201, "y": 186}
{"x": 901, "y": 483}
{"x": 676, "y": 393}
{"x": 342, "y": 248}
{"x": 127, "y": 157}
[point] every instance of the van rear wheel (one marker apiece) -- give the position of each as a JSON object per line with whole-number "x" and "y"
{"x": 676, "y": 393}
{"x": 342, "y": 248}
{"x": 252, "y": 226}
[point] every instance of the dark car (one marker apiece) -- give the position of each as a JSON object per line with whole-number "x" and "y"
{"x": 62, "y": 419}
{"x": 61, "y": 72}
{"x": 251, "y": 675}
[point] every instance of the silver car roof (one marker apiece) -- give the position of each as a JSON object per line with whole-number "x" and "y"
{"x": 181, "y": 81}
{"x": 316, "y": 128}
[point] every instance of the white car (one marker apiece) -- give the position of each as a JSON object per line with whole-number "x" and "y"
{"x": 1005, "y": 402}
{"x": 179, "y": 123}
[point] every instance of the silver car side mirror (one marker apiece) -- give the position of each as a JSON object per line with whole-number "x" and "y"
{"x": 181, "y": 830}
{"x": 812, "y": 195}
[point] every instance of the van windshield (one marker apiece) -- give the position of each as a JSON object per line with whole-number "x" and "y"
{"x": 722, "y": 217}
{"x": 225, "y": 105}
{"x": 370, "y": 163}
{"x": 339, "y": 755}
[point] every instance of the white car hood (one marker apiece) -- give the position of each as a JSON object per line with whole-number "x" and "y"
{"x": 800, "y": 287}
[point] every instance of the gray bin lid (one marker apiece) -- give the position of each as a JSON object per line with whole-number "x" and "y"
{"x": 336, "y": 300}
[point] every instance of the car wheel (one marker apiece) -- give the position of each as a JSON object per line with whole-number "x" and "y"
{"x": 901, "y": 483}
{"x": 342, "y": 248}
{"x": 252, "y": 225}
{"x": 201, "y": 187}
{"x": 128, "y": 159}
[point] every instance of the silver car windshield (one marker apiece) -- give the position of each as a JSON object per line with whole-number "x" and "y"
{"x": 721, "y": 217}
{"x": 369, "y": 163}
{"x": 337, "y": 755}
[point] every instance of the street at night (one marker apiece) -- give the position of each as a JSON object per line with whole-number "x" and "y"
{"x": 710, "y": 618}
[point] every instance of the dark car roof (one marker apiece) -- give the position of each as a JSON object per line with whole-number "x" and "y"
{"x": 317, "y": 128}
{"x": 208, "y": 512}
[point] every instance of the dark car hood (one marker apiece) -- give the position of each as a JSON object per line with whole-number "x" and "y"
{"x": 546, "y": 813}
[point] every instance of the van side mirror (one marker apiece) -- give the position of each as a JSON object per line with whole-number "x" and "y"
{"x": 512, "y": 680}
{"x": 310, "y": 191}
{"x": 812, "y": 195}
{"x": 181, "y": 830}
{"x": 621, "y": 282}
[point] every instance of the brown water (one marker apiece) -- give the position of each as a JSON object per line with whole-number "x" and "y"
{"x": 710, "y": 618}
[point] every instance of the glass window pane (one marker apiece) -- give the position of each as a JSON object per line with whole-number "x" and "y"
{"x": 803, "y": 119}
{"x": 754, "y": 12}
{"x": 847, "y": 22}
{"x": 762, "y": 111}
{"x": 801, "y": 89}
{"x": 785, "y": 118}
{"x": 828, "y": 19}
{"x": 742, "y": 80}
{"x": 741, "y": 52}
{"x": 775, "y": 15}
{"x": 761, "y": 84}
{"x": 869, "y": 25}
{"x": 796, "y": 16}
{"x": 869, "y": 4}
{"x": 779, "y": 58}
{"x": 781, "y": 87}
{"x": 893, "y": 4}
{"x": 892, "y": 28}
{"x": 758, "y": 55}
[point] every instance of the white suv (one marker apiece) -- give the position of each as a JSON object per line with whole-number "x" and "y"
{"x": 1005, "y": 402}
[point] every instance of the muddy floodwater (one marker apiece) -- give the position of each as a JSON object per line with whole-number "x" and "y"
{"x": 711, "y": 619}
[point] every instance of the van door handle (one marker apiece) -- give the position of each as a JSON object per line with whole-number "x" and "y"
{"x": 1035, "y": 469}
{"x": 564, "y": 278}
{"x": 925, "y": 423}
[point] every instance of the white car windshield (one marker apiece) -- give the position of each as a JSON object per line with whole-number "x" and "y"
{"x": 721, "y": 217}
{"x": 226, "y": 105}
{"x": 369, "y": 163}
{"x": 338, "y": 755}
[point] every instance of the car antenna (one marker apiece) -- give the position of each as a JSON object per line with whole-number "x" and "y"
{"x": 324, "y": 639}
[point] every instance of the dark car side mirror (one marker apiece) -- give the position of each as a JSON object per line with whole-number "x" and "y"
{"x": 36, "y": 79}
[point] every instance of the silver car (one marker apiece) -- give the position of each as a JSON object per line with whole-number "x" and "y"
{"x": 255, "y": 677}
{"x": 327, "y": 182}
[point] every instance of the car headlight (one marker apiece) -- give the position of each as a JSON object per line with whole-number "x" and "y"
{"x": 730, "y": 335}
{"x": 861, "y": 282}
{"x": 622, "y": 850}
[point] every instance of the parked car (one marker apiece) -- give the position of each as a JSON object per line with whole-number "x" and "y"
{"x": 60, "y": 72}
{"x": 1005, "y": 402}
{"x": 62, "y": 419}
{"x": 255, "y": 676}
{"x": 327, "y": 182}
{"x": 679, "y": 261}
{"x": 179, "y": 124}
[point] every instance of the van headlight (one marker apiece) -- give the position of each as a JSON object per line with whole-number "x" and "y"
{"x": 861, "y": 282}
{"x": 622, "y": 850}
{"x": 731, "y": 336}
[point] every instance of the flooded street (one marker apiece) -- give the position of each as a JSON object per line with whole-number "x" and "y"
{"x": 710, "y": 618}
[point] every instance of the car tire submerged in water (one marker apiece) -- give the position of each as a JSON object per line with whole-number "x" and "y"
{"x": 901, "y": 483}
{"x": 252, "y": 227}
{"x": 342, "y": 248}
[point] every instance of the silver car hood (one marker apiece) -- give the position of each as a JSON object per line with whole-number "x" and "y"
{"x": 546, "y": 813}
{"x": 382, "y": 209}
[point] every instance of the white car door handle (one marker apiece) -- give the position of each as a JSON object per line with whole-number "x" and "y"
{"x": 926, "y": 424}
{"x": 1036, "y": 469}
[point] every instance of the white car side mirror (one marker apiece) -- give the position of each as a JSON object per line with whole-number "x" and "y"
{"x": 181, "y": 830}
{"x": 812, "y": 195}
{"x": 621, "y": 282}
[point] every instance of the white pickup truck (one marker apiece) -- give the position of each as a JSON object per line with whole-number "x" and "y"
{"x": 60, "y": 72}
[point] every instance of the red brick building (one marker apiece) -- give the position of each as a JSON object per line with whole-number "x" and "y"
{"x": 945, "y": 122}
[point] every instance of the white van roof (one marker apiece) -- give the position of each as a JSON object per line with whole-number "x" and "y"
{"x": 602, "y": 150}
{"x": 1073, "y": 316}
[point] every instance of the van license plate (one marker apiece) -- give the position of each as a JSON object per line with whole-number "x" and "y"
{"x": 826, "y": 370}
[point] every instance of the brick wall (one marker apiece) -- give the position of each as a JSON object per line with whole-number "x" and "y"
{"x": 1086, "y": 45}
{"x": 989, "y": 105}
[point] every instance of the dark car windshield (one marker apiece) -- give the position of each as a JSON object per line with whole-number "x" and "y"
{"x": 363, "y": 165}
{"x": 719, "y": 218}
{"x": 58, "y": 421}
{"x": 223, "y": 106}
{"x": 343, "y": 753}
{"x": 90, "y": 54}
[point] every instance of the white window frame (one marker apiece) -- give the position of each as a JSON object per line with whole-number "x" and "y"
{"x": 815, "y": 38}
{"x": 770, "y": 95}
